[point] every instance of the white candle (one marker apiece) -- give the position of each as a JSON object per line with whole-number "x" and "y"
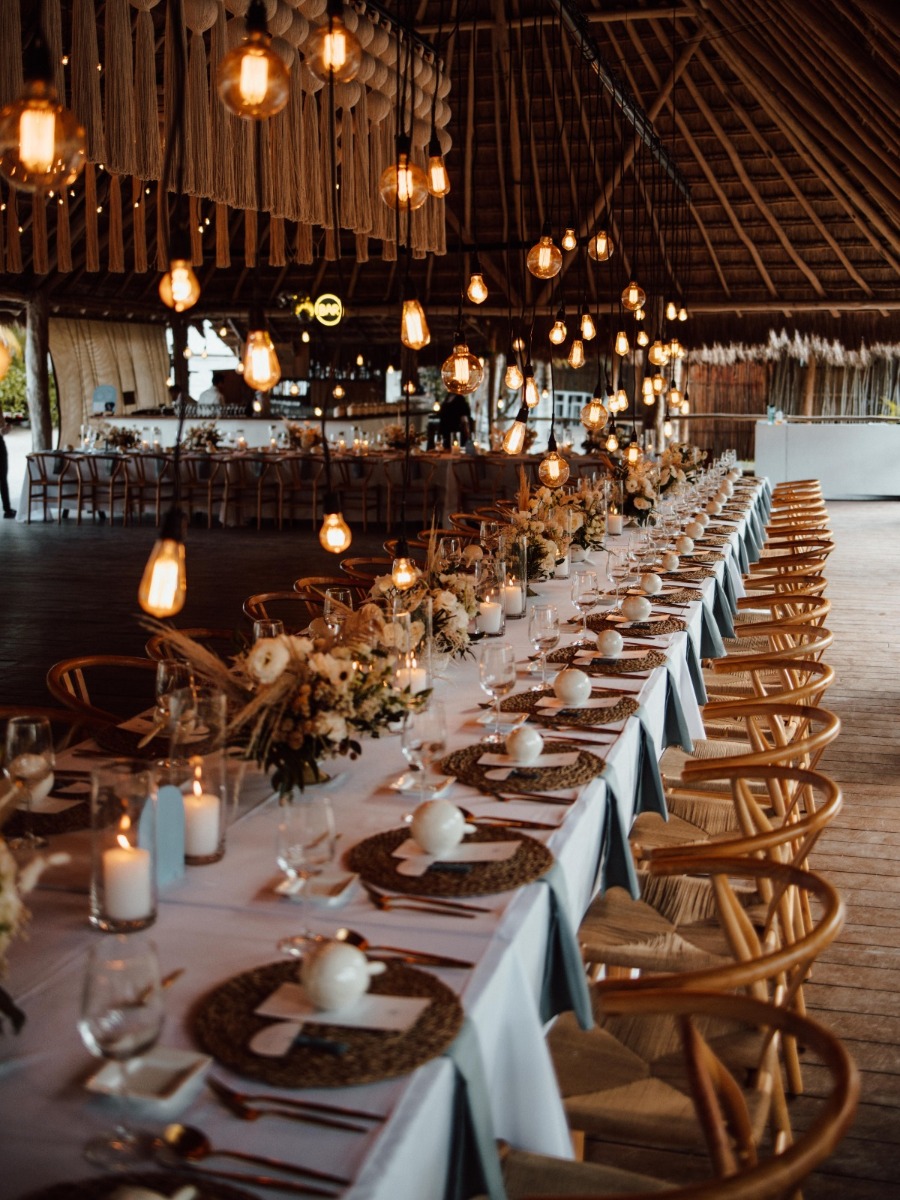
{"x": 201, "y": 824}
{"x": 513, "y": 600}
{"x": 126, "y": 883}
{"x": 614, "y": 523}
{"x": 490, "y": 616}
{"x": 562, "y": 568}
{"x": 415, "y": 678}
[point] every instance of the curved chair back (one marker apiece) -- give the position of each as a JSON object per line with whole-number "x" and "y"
{"x": 220, "y": 641}
{"x": 779, "y": 734}
{"x": 114, "y": 676}
{"x": 294, "y": 609}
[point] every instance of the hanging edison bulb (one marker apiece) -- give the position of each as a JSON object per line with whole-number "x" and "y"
{"x": 403, "y": 571}
{"x": 261, "y": 367}
{"x": 163, "y": 586}
{"x": 461, "y": 372}
{"x": 675, "y": 397}
{"x": 682, "y": 313}
{"x": 658, "y": 382}
{"x": 332, "y": 51}
{"x": 676, "y": 350}
{"x": 437, "y": 176}
{"x": 544, "y": 258}
{"x": 621, "y": 345}
{"x": 513, "y": 377}
{"x": 667, "y": 428}
{"x": 621, "y": 399}
{"x": 558, "y": 330}
{"x": 600, "y": 246}
{"x": 252, "y": 80}
{"x": 514, "y": 438}
{"x": 658, "y": 354}
{"x": 639, "y": 314}
{"x": 576, "y": 354}
{"x": 633, "y": 296}
{"x": 477, "y": 289}
{"x": 595, "y": 413}
{"x": 553, "y": 470}
{"x": 569, "y": 240}
{"x": 634, "y": 453}
{"x": 334, "y": 535}
{"x": 338, "y": 392}
{"x": 414, "y": 331}
{"x": 671, "y": 310}
{"x": 647, "y": 393}
{"x": 532, "y": 396}
{"x": 403, "y": 184}
{"x": 612, "y": 442}
{"x": 179, "y": 287}
{"x": 588, "y": 328}
{"x": 642, "y": 338}
{"x": 41, "y": 142}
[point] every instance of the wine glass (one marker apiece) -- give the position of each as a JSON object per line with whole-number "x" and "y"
{"x": 497, "y": 676}
{"x": 543, "y": 631}
{"x": 490, "y": 537}
{"x": 306, "y": 841}
{"x": 29, "y": 767}
{"x": 267, "y": 629}
{"x": 424, "y": 740}
{"x": 619, "y": 568}
{"x": 121, "y": 1016}
{"x": 172, "y": 675}
{"x": 449, "y": 554}
{"x": 585, "y": 596}
{"x": 337, "y": 602}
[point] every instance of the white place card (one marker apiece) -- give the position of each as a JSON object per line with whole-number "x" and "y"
{"x": 395, "y": 1014}
{"x": 565, "y": 759}
{"x": 52, "y": 804}
{"x": 551, "y": 704}
{"x": 414, "y": 862}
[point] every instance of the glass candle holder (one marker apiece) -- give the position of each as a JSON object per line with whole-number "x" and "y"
{"x": 614, "y": 490}
{"x": 198, "y": 724}
{"x": 491, "y": 618}
{"x": 515, "y": 584}
{"x": 413, "y": 643}
{"x": 123, "y": 894}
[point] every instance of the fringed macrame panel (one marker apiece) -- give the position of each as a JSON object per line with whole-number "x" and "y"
{"x": 39, "y": 249}
{"x": 139, "y": 224}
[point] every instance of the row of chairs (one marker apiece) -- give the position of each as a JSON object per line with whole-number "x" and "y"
{"x": 697, "y": 986}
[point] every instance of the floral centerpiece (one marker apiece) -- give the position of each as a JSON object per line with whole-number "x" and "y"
{"x": 118, "y": 437}
{"x": 453, "y": 606}
{"x": 539, "y": 519}
{"x": 586, "y": 512}
{"x": 202, "y": 439}
{"x": 302, "y": 437}
{"x": 641, "y": 486}
{"x": 294, "y": 701}
{"x": 395, "y": 437}
{"x": 679, "y": 463}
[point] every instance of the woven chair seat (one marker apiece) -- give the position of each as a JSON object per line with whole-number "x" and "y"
{"x": 746, "y": 645}
{"x": 619, "y": 931}
{"x": 526, "y": 1174}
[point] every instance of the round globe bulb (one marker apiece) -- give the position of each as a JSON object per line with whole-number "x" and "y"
{"x": 553, "y": 470}
{"x": 633, "y": 296}
{"x": 544, "y": 259}
{"x": 600, "y": 247}
{"x": 658, "y": 354}
{"x": 252, "y": 81}
{"x": 594, "y": 414}
{"x": 179, "y": 288}
{"x": 403, "y": 184}
{"x": 41, "y": 143}
{"x": 332, "y": 51}
{"x": 462, "y": 372}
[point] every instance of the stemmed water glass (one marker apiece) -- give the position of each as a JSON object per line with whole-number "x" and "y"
{"x": 585, "y": 596}
{"x": 305, "y": 840}
{"x": 543, "y": 632}
{"x": 29, "y": 763}
{"x": 449, "y": 555}
{"x": 497, "y": 676}
{"x": 267, "y": 629}
{"x": 490, "y": 537}
{"x": 424, "y": 740}
{"x": 121, "y": 1016}
{"x": 337, "y": 602}
{"x": 172, "y": 675}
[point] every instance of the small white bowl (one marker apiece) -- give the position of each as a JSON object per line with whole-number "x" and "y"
{"x": 160, "y": 1083}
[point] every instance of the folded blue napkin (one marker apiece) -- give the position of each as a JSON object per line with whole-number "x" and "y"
{"x": 474, "y": 1168}
{"x": 675, "y": 731}
{"x": 564, "y": 986}
{"x": 722, "y": 611}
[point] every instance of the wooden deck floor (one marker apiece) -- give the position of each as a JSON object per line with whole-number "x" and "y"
{"x": 66, "y": 591}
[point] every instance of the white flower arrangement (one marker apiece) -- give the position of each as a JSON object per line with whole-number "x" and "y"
{"x": 679, "y": 462}
{"x": 302, "y": 437}
{"x": 452, "y": 607}
{"x": 202, "y": 439}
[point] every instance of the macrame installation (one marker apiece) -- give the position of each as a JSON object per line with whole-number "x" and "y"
{"x": 116, "y": 101}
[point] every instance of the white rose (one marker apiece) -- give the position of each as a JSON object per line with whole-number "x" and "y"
{"x": 268, "y": 659}
{"x": 640, "y": 502}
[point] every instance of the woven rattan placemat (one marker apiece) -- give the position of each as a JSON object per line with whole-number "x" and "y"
{"x": 165, "y": 1184}
{"x": 621, "y": 666}
{"x": 623, "y": 707}
{"x": 465, "y": 766}
{"x": 224, "y": 1022}
{"x": 598, "y": 624}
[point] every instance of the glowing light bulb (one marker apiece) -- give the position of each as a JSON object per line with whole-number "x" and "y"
{"x": 633, "y": 296}
{"x": 675, "y": 397}
{"x": 642, "y": 338}
{"x": 639, "y": 314}
{"x": 333, "y": 51}
{"x": 558, "y": 331}
{"x": 544, "y": 259}
{"x": 667, "y": 428}
{"x": 338, "y": 391}
{"x": 600, "y": 247}
{"x": 595, "y": 413}
{"x": 261, "y": 367}
{"x": 163, "y": 585}
{"x": 403, "y": 184}
{"x": 588, "y": 328}
{"x": 403, "y": 571}
{"x": 532, "y": 396}
{"x": 622, "y": 399}
{"x": 514, "y": 438}
{"x": 576, "y": 354}
{"x": 553, "y": 470}
{"x": 438, "y": 179}
{"x": 461, "y": 372}
{"x": 179, "y": 287}
{"x": 334, "y": 535}
{"x": 676, "y": 350}
{"x": 621, "y": 346}
{"x": 658, "y": 354}
{"x": 633, "y": 454}
{"x": 477, "y": 289}
{"x": 513, "y": 377}
{"x": 612, "y": 442}
{"x": 569, "y": 240}
{"x": 671, "y": 311}
{"x": 682, "y": 314}
{"x": 647, "y": 393}
{"x": 304, "y": 337}
{"x": 42, "y": 145}
{"x": 659, "y": 383}
{"x": 414, "y": 331}
{"x": 252, "y": 81}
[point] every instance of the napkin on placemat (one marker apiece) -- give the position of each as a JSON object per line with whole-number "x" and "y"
{"x": 393, "y": 1014}
{"x": 564, "y": 985}
{"x": 415, "y": 861}
{"x": 474, "y": 1166}
{"x": 565, "y": 759}
{"x": 552, "y": 704}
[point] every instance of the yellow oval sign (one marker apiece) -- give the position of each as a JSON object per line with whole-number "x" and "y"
{"x": 328, "y": 309}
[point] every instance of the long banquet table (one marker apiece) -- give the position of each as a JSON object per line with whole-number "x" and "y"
{"x": 223, "y": 919}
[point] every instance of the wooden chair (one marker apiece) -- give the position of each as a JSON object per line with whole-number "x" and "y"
{"x": 251, "y": 480}
{"x": 127, "y": 680}
{"x": 149, "y": 484}
{"x": 714, "y": 1114}
{"x": 466, "y": 523}
{"x": 294, "y": 609}
{"x": 476, "y": 481}
{"x": 68, "y": 727}
{"x": 52, "y": 478}
{"x": 223, "y": 642}
{"x": 103, "y": 483}
{"x": 421, "y": 492}
{"x": 300, "y": 479}
{"x": 357, "y": 488}
{"x": 315, "y": 587}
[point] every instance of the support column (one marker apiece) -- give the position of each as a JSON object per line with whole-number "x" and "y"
{"x": 180, "y": 363}
{"x": 37, "y": 373}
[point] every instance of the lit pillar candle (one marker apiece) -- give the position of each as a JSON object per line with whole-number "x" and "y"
{"x": 513, "y": 600}
{"x": 614, "y": 523}
{"x": 490, "y": 616}
{"x": 562, "y": 568}
{"x": 414, "y": 678}
{"x": 126, "y": 882}
{"x": 201, "y": 823}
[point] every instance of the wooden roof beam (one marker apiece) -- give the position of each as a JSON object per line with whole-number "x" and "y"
{"x": 606, "y": 17}
{"x": 874, "y": 304}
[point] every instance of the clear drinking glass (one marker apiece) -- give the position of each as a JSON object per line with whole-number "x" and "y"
{"x": 449, "y": 555}
{"x": 172, "y": 674}
{"x": 497, "y": 676}
{"x": 121, "y": 1016}
{"x": 585, "y": 596}
{"x": 543, "y": 632}
{"x": 424, "y": 740}
{"x": 338, "y": 601}
{"x": 29, "y": 762}
{"x": 490, "y": 537}
{"x": 306, "y": 839}
{"x": 267, "y": 629}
